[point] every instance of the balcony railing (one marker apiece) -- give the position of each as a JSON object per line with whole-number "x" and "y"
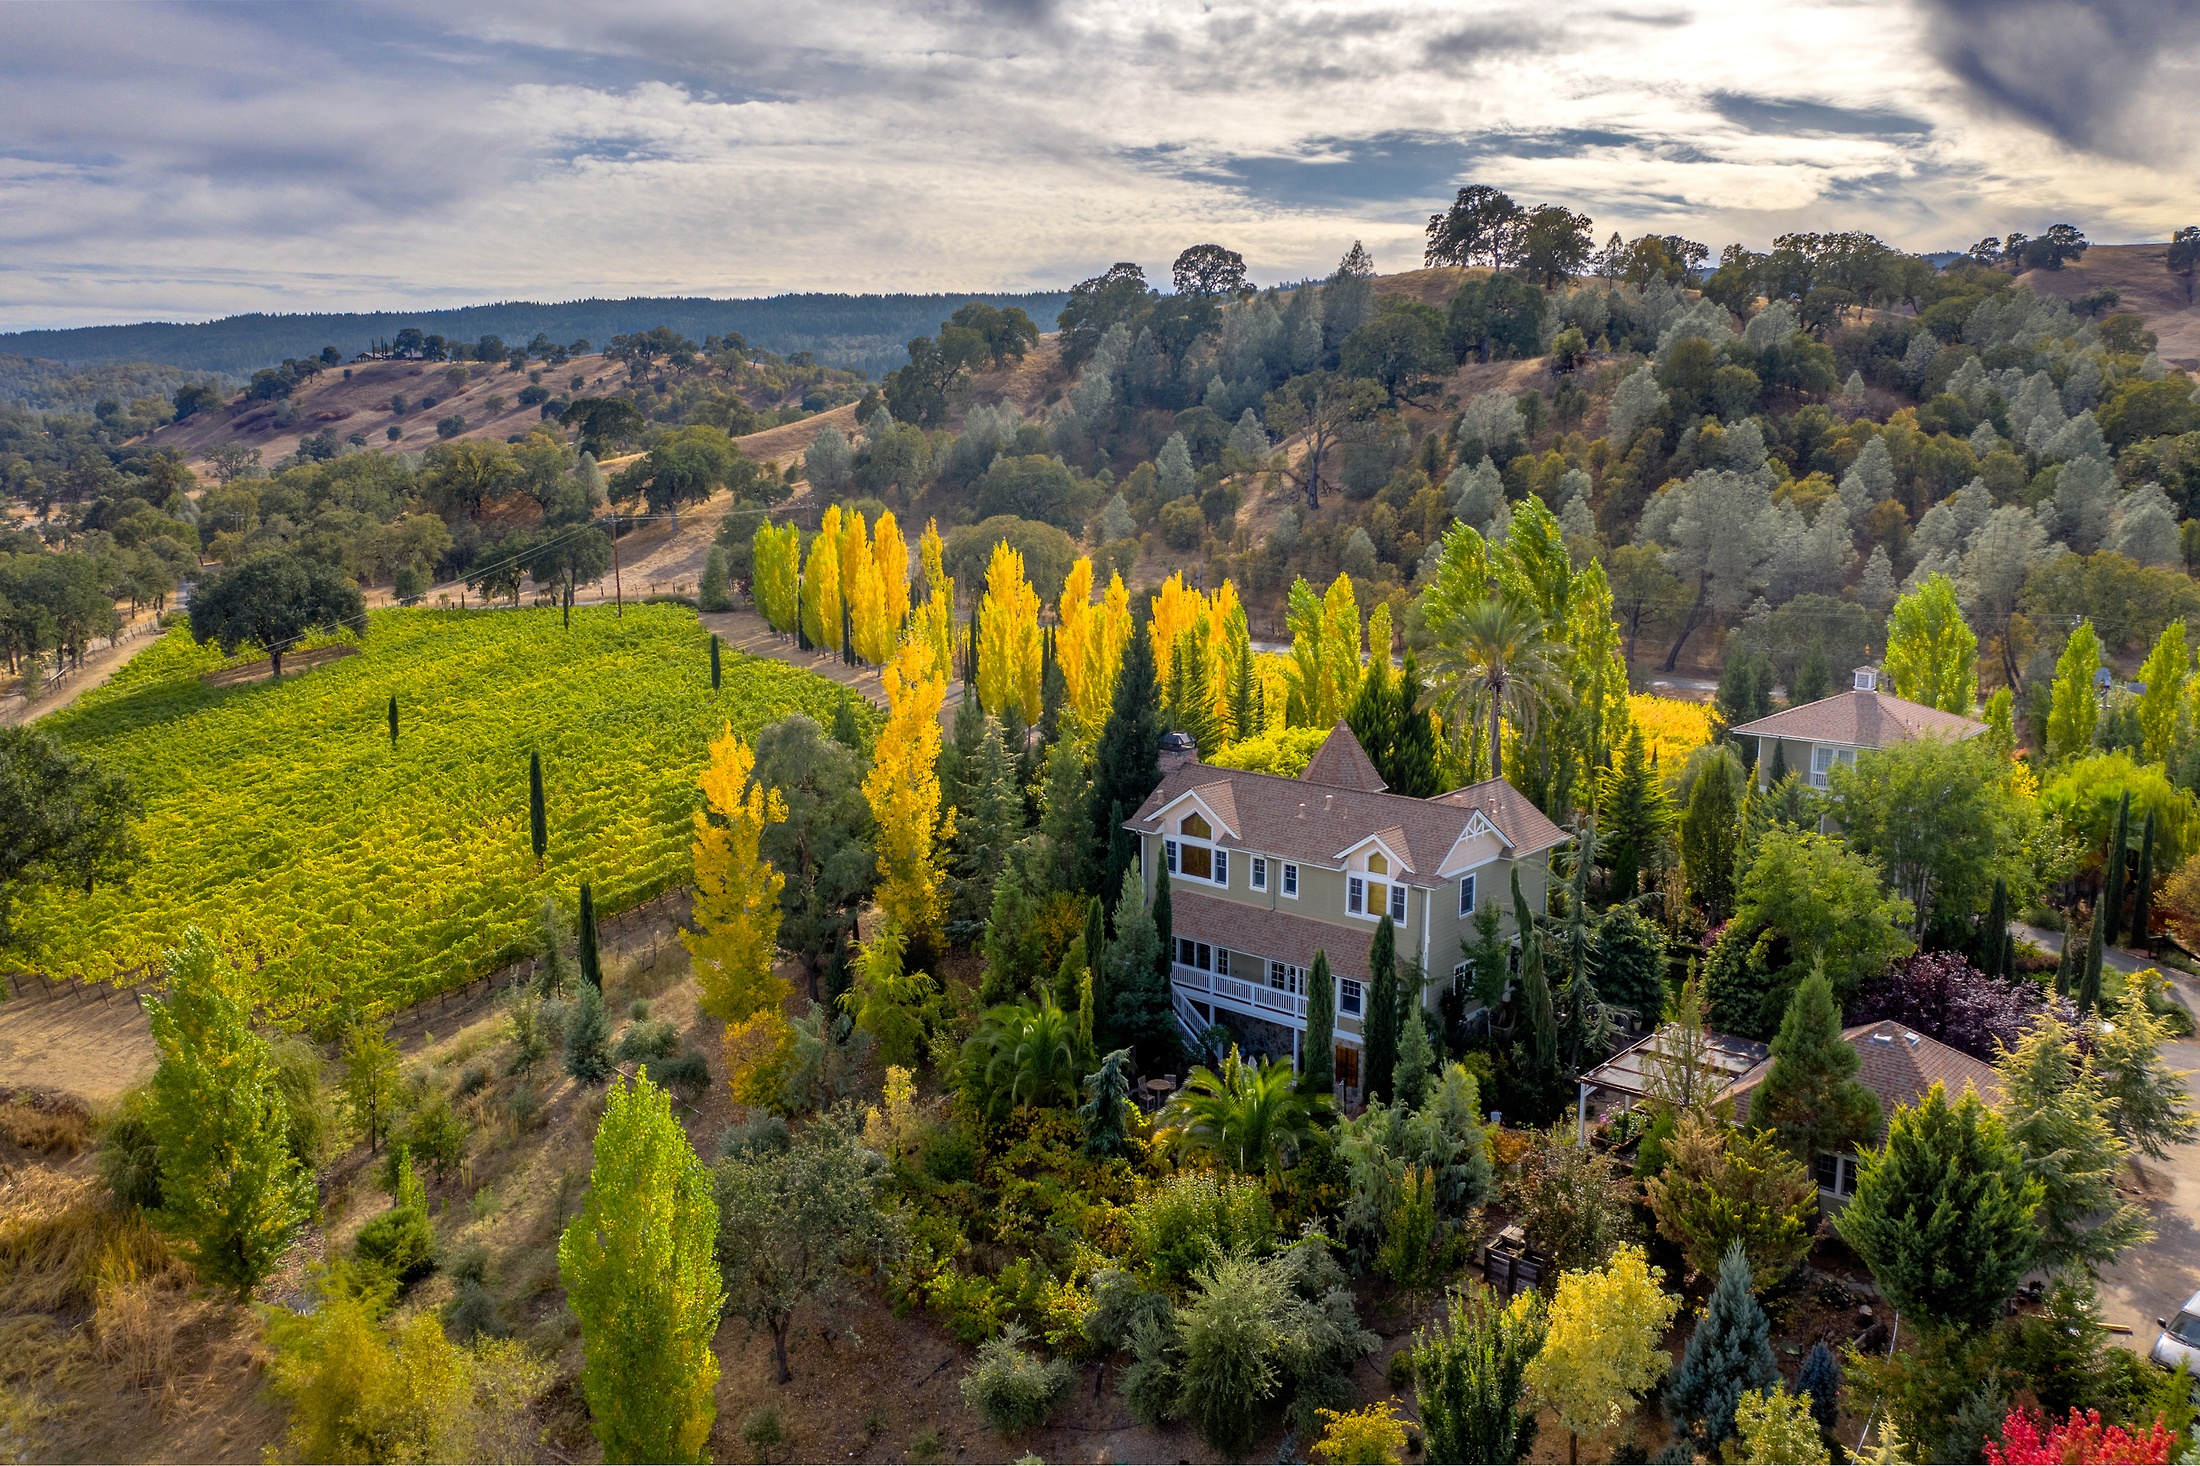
{"x": 1254, "y": 997}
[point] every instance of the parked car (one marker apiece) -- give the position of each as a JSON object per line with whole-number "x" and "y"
{"x": 2180, "y": 1338}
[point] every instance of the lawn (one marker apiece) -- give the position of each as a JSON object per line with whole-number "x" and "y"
{"x": 279, "y": 816}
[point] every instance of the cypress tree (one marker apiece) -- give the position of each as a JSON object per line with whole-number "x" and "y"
{"x": 1163, "y": 929}
{"x": 1779, "y": 768}
{"x": 2142, "y": 896}
{"x": 538, "y": 814}
{"x": 714, "y": 670}
{"x": 591, "y": 958}
{"x": 844, "y": 723}
{"x": 1535, "y": 991}
{"x": 1126, "y": 762}
{"x": 1994, "y": 931}
{"x": 847, "y": 635}
{"x": 1417, "y": 1062}
{"x": 2089, "y": 978}
{"x": 2111, "y": 913}
{"x": 1053, "y": 691}
{"x": 1096, "y": 961}
{"x": 1729, "y": 1354}
{"x": 970, "y": 658}
{"x": 2066, "y": 964}
{"x": 393, "y": 720}
{"x": 1318, "y": 1050}
{"x": 1378, "y": 1068}
{"x": 1633, "y": 818}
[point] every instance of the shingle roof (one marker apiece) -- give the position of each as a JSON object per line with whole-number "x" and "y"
{"x": 1899, "y": 1065}
{"x": 1274, "y": 934}
{"x": 1341, "y": 761}
{"x": 1311, "y": 823}
{"x": 1863, "y": 720}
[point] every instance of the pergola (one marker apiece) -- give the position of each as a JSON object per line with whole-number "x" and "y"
{"x": 1632, "y": 1070}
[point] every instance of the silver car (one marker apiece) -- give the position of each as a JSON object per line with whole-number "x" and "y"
{"x": 2179, "y": 1340}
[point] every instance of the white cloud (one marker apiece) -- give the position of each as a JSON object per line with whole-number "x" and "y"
{"x": 178, "y": 162}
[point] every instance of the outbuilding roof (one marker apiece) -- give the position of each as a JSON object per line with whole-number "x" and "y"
{"x": 1863, "y": 720}
{"x": 1900, "y": 1065}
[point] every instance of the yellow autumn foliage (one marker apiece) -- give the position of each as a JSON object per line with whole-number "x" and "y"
{"x": 903, "y": 790}
{"x": 736, "y": 910}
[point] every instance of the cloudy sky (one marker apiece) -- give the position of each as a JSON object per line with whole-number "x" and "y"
{"x": 184, "y": 161}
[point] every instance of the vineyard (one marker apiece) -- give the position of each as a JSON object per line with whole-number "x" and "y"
{"x": 281, "y": 818}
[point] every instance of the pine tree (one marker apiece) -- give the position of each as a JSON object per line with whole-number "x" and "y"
{"x": 1632, "y": 819}
{"x": 717, "y": 677}
{"x": 1943, "y": 1214}
{"x": 393, "y": 720}
{"x": 1414, "y": 763}
{"x": 1709, "y": 833}
{"x": 2111, "y": 915}
{"x": 1126, "y": 764}
{"x": 1729, "y": 1354}
{"x": 591, "y": 957}
{"x": 641, "y": 1274}
{"x": 1416, "y": 1056}
{"x": 1135, "y": 1015}
{"x": 1378, "y": 1065}
{"x": 2142, "y": 892}
{"x": 588, "y": 1037}
{"x": 538, "y": 814}
{"x": 736, "y": 909}
{"x": 959, "y": 751}
{"x": 1821, "y": 1380}
{"x": 1811, "y": 1098}
{"x": 1065, "y": 816}
{"x": 232, "y": 1194}
{"x": 1318, "y": 1050}
{"x": 1053, "y": 690}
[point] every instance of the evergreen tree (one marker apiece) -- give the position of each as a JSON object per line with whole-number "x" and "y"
{"x": 1416, "y": 1056}
{"x": 1944, "y": 1215}
{"x": 1372, "y": 715}
{"x": 2068, "y": 963}
{"x": 1821, "y": 1380}
{"x": 588, "y": 1038}
{"x": 2059, "y": 1119}
{"x": 1126, "y": 763}
{"x": 2089, "y": 975}
{"x": 1096, "y": 934}
{"x": 714, "y": 593}
{"x": 1318, "y": 1050}
{"x": 717, "y": 672}
{"x": 1535, "y": 992}
{"x": 538, "y": 814}
{"x": 2111, "y": 913}
{"x": 641, "y": 1274}
{"x": 958, "y": 752}
{"x": 2142, "y": 893}
{"x": 393, "y": 720}
{"x": 1633, "y": 817}
{"x": 1729, "y": 1354}
{"x": 1135, "y": 1014}
{"x": 591, "y": 957}
{"x": 371, "y": 1079}
{"x": 1053, "y": 690}
{"x": 1379, "y": 1061}
{"x": 1993, "y": 934}
{"x": 1065, "y": 816}
{"x": 1164, "y": 927}
{"x": 1469, "y": 1373}
{"x": 1811, "y": 1098}
{"x": 232, "y": 1193}
{"x": 1710, "y": 832}
{"x": 845, "y": 732}
{"x": 1107, "y": 1105}
{"x": 988, "y": 823}
{"x": 1777, "y": 772}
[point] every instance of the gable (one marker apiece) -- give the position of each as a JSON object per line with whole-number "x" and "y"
{"x": 1354, "y": 856}
{"x": 1479, "y": 843}
{"x": 1170, "y": 815}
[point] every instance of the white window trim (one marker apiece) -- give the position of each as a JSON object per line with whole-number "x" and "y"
{"x": 1466, "y": 895}
{"x": 1283, "y": 977}
{"x": 1218, "y": 861}
{"x": 1355, "y": 894}
{"x": 1260, "y": 873}
{"x": 1823, "y": 756}
{"x": 1351, "y": 985}
{"x": 1397, "y": 900}
{"x": 1290, "y": 880}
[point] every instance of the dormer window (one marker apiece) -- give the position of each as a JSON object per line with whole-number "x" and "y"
{"x": 1193, "y": 854}
{"x": 1371, "y": 894}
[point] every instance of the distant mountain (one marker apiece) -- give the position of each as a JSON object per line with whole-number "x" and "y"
{"x": 867, "y": 333}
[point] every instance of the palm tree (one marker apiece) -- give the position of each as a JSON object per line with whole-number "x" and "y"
{"x": 1251, "y": 1117}
{"x": 1024, "y": 1055}
{"x": 1496, "y": 657}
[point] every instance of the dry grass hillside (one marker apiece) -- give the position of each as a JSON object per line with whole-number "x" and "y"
{"x": 2141, "y": 276}
{"x": 360, "y": 403}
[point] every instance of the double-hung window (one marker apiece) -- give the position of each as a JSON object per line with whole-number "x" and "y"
{"x": 1466, "y": 895}
{"x": 1290, "y": 880}
{"x": 1397, "y": 901}
{"x": 1822, "y": 759}
{"x": 1260, "y": 872}
{"x": 1196, "y": 954}
{"x": 1355, "y": 895}
{"x": 1373, "y": 893}
{"x": 1194, "y": 855}
{"x": 1348, "y": 996}
{"x": 1286, "y": 978}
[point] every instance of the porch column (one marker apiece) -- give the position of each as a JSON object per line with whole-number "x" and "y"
{"x": 1581, "y": 1115}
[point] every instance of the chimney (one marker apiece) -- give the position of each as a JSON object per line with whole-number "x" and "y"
{"x": 1177, "y": 750}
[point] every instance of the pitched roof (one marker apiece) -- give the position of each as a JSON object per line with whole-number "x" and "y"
{"x": 1276, "y": 935}
{"x": 1342, "y": 762}
{"x": 1863, "y": 720}
{"x": 1899, "y": 1065}
{"x": 1311, "y": 823}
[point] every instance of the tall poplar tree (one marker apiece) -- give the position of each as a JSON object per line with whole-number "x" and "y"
{"x": 640, "y": 1270}
{"x": 736, "y": 909}
{"x": 232, "y": 1194}
{"x": 903, "y": 788}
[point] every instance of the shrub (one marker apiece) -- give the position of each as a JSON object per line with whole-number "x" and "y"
{"x": 2027, "y": 1438}
{"x": 129, "y": 1157}
{"x": 652, "y": 1038}
{"x": 1226, "y": 1335}
{"x": 760, "y": 1134}
{"x": 1194, "y": 1216}
{"x": 1181, "y": 523}
{"x": 451, "y": 426}
{"x": 398, "y": 1246}
{"x": 1372, "y": 1434}
{"x": 689, "y": 1072}
{"x": 1013, "y": 1389}
{"x": 472, "y": 1313}
{"x": 437, "y": 1136}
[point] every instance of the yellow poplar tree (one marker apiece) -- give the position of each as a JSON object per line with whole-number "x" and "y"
{"x": 1008, "y": 663}
{"x": 939, "y": 589}
{"x": 1110, "y": 637}
{"x": 1340, "y": 654}
{"x": 2163, "y": 673}
{"x": 821, "y": 585}
{"x": 874, "y": 633}
{"x": 855, "y": 552}
{"x": 1602, "y": 1349}
{"x": 1075, "y": 623}
{"x": 778, "y": 549}
{"x": 903, "y": 789}
{"x": 890, "y": 552}
{"x": 736, "y": 911}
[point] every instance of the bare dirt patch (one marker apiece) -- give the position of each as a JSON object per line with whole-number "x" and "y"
{"x": 264, "y": 669}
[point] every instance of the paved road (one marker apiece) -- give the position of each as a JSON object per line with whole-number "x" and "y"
{"x": 2117, "y": 958}
{"x": 2153, "y": 1281}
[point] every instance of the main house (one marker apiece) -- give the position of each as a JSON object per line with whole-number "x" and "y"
{"x": 1810, "y": 739}
{"x": 1264, "y": 872}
